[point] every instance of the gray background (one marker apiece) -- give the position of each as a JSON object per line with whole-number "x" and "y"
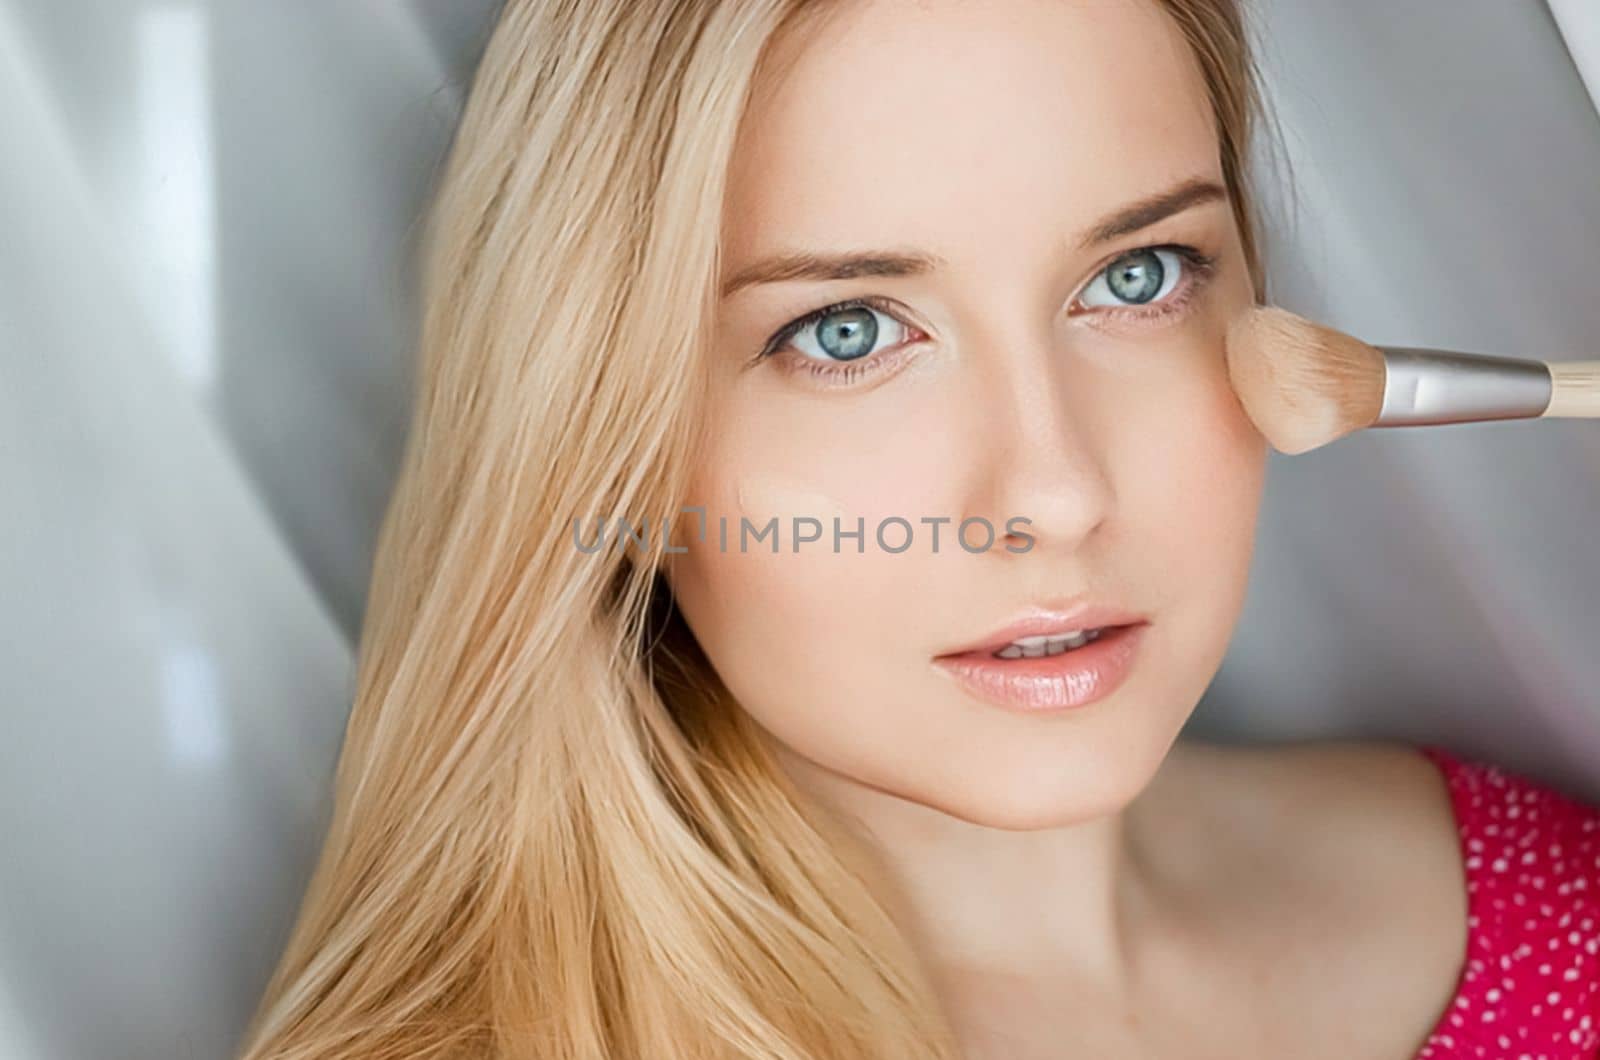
{"x": 205, "y": 316}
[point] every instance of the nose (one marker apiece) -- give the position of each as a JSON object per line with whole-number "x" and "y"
{"x": 1042, "y": 460}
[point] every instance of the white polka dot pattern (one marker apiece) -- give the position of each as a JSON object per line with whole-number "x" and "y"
{"x": 1530, "y": 989}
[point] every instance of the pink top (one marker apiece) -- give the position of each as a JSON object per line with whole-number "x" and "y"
{"x": 1530, "y": 988}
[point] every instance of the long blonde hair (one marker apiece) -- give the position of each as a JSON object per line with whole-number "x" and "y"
{"x": 553, "y": 836}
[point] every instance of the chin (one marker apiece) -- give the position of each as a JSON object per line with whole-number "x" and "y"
{"x": 1066, "y": 771}
{"x": 1036, "y": 798}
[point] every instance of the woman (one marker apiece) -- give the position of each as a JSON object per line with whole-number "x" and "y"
{"x": 801, "y": 286}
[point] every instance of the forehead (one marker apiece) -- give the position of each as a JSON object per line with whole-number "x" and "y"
{"x": 940, "y": 123}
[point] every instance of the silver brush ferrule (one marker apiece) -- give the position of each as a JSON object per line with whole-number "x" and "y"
{"x": 1443, "y": 386}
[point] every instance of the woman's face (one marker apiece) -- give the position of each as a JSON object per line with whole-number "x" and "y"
{"x": 1016, "y": 374}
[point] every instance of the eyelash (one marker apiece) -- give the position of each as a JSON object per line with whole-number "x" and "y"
{"x": 1199, "y": 269}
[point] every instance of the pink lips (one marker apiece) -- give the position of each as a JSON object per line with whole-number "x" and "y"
{"x": 1048, "y": 621}
{"x": 1072, "y": 678}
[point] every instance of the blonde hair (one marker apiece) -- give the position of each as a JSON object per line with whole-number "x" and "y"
{"x": 553, "y": 836}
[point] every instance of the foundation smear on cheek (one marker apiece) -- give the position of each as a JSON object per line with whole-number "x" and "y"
{"x": 762, "y": 497}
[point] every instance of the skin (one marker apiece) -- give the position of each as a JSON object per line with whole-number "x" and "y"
{"x": 1084, "y": 877}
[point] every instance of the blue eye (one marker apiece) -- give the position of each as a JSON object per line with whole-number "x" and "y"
{"x": 846, "y": 332}
{"x": 1137, "y": 278}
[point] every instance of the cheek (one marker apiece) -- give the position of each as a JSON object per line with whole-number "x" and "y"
{"x": 798, "y": 637}
{"x": 861, "y": 465}
{"x": 1189, "y": 461}
{"x": 1218, "y": 465}
{"x": 1194, "y": 488}
{"x": 810, "y": 645}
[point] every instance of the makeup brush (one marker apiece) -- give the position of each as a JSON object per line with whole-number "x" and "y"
{"x": 1306, "y": 385}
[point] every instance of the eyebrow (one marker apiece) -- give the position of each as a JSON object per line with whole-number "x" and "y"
{"x": 805, "y": 265}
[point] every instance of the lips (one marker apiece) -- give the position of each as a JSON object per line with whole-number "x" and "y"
{"x": 1048, "y": 684}
{"x": 1050, "y": 622}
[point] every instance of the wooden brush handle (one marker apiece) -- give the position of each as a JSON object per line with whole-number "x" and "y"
{"x": 1575, "y": 389}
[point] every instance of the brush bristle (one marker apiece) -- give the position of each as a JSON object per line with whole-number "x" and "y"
{"x": 1303, "y": 385}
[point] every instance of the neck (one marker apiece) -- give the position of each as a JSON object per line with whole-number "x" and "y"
{"x": 1064, "y": 901}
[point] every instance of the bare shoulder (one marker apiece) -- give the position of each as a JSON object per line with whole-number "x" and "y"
{"x": 1343, "y": 852}
{"x": 1364, "y": 828}
{"x": 1377, "y": 794}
